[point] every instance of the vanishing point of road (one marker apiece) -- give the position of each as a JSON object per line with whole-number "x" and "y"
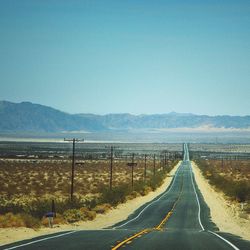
{"x": 177, "y": 219}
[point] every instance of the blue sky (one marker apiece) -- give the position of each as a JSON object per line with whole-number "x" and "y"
{"x": 127, "y": 55}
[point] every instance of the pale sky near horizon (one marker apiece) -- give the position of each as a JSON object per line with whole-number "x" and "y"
{"x": 128, "y": 56}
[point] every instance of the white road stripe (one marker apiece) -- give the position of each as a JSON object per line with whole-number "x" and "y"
{"x": 165, "y": 193}
{"x": 43, "y": 239}
{"x": 228, "y": 242}
{"x": 199, "y": 215}
{"x": 197, "y": 199}
{"x": 71, "y": 232}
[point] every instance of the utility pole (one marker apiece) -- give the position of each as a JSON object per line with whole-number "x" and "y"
{"x": 145, "y": 167}
{"x": 74, "y": 140}
{"x": 111, "y": 166}
{"x": 154, "y": 164}
{"x": 132, "y": 164}
{"x": 165, "y": 159}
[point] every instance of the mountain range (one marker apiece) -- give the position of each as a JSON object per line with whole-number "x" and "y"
{"x": 26, "y": 116}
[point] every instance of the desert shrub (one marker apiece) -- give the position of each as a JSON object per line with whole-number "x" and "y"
{"x": 59, "y": 219}
{"x": 116, "y": 195}
{"x": 146, "y": 189}
{"x": 102, "y": 208}
{"x": 34, "y": 207}
{"x": 87, "y": 214}
{"x": 25, "y": 209}
{"x": 238, "y": 190}
{"x": 241, "y": 191}
{"x": 72, "y": 215}
{"x": 30, "y": 221}
{"x": 91, "y": 203}
{"x": 66, "y": 204}
{"x": 11, "y": 220}
{"x": 139, "y": 186}
{"x": 247, "y": 208}
{"x": 157, "y": 180}
{"x": 19, "y": 220}
{"x": 132, "y": 195}
{"x": 37, "y": 207}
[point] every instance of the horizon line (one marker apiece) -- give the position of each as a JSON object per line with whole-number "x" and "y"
{"x": 126, "y": 113}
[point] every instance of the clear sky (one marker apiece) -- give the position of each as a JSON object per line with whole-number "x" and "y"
{"x": 127, "y": 55}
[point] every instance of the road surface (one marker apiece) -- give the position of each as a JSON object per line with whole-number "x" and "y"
{"x": 177, "y": 219}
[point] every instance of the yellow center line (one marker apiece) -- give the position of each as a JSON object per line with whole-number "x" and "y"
{"x": 147, "y": 230}
{"x": 159, "y": 227}
{"x": 128, "y": 240}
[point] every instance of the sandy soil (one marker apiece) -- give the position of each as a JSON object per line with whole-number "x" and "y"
{"x": 8, "y": 235}
{"x": 224, "y": 213}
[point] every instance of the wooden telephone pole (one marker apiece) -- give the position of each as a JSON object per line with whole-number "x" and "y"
{"x": 145, "y": 167}
{"x": 132, "y": 165}
{"x": 74, "y": 140}
{"x": 111, "y": 166}
{"x": 154, "y": 164}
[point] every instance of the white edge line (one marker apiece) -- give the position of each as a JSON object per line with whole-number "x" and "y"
{"x": 71, "y": 232}
{"x": 152, "y": 201}
{"x": 228, "y": 242}
{"x": 43, "y": 239}
{"x": 198, "y": 202}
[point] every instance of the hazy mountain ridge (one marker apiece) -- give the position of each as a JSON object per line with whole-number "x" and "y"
{"x": 27, "y": 116}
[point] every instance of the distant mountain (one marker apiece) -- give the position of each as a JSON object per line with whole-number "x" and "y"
{"x": 27, "y": 116}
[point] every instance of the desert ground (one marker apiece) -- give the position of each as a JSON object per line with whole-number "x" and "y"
{"x": 225, "y": 212}
{"x": 29, "y": 185}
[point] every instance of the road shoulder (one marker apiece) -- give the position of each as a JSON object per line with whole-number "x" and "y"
{"x": 224, "y": 214}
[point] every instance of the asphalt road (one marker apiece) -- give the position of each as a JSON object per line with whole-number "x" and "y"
{"x": 177, "y": 219}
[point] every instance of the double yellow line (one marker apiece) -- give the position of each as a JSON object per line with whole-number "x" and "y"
{"x": 147, "y": 230}
{"x": 128, "y": 240}
{"x": 159, "y": 227}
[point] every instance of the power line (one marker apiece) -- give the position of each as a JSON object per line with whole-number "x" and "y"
{"x": 111, "y": 167}
{"x": 73, "y": 140}
{"x": 132, "y": 165}
{"x": 154, "y": 164}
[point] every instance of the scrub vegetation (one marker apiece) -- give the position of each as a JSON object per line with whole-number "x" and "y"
{"x": 230, "y": 176}
{"x": 29, "y": 186}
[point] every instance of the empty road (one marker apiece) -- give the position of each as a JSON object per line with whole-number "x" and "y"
{"x": 178, "y": 219}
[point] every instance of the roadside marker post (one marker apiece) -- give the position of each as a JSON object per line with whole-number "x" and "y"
{"x": 53, "y": 207}
{"x": 50, "y": 216}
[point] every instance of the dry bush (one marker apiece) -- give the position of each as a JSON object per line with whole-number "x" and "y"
{"x": 233, "y": 178}
{"x": 11, "y": 220}
{"x": 19, "y": 220}
{"x": 102, "y": 208}
{"x": 82, "y": 214}
{"x": 87, "y": 213}
{"x": 28, "y": 187}
{"x": 59, "y": 219}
